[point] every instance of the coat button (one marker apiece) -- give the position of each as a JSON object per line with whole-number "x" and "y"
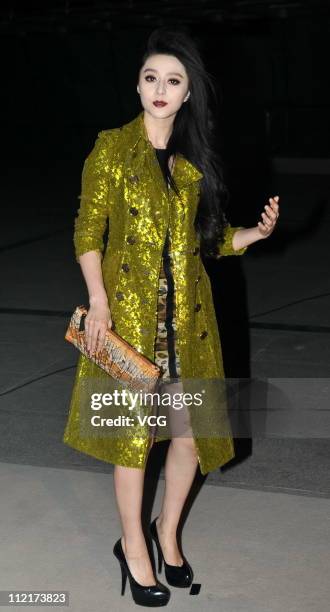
{"x": 198, "y": 279}
{"x": 203, "y": 334}
{"x": 134, "y": 178}
{"x": 119, "y": 295}
{"x": 130, "y": 239}
{"x": 196, "y": 250}
{"x": 134, "y": 211}
{"x": 198, "y": 307}
{"x": 125, "y": 267}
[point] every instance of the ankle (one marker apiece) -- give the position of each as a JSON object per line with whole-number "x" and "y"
{"x": 165, "y": 528}
{"x": 134, "y": 546}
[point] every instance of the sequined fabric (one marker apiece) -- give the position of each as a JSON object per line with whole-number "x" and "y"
{"x": 166, "y": 352}
{"x": 123, "y": 185}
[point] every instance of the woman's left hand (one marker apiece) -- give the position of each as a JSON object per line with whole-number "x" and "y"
{"x": 269, "y": 218}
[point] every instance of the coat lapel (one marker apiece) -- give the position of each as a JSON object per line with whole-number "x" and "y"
{"x": 184, "y": 172}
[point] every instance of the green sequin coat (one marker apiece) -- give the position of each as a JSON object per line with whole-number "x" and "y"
{"x": 123, "y": 183}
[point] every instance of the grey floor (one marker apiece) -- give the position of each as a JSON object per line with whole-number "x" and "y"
{"x": 257, "y": 533}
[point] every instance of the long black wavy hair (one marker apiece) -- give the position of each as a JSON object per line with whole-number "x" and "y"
{"x": 193, "y": 134}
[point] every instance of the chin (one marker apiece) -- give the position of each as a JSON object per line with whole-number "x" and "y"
{"x": 166, "y": 111}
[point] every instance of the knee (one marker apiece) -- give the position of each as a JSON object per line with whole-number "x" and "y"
{"x": 186, "y": 445}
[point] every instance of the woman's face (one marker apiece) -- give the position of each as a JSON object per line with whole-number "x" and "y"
{"x": 163, "y": 78}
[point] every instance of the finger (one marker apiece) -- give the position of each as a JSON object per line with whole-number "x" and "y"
{"x": 265, "y": 219}
{"x": 100, "y": 343}
{"x": 94, "y": 340}
{"x": 92, "y": 351}
{"x": 270, "y": 212}
{"x": 274, "y": 205}
{"x": 89, "y": 333}
{"x": 269, "y": 224}
{"x": 89, "y": 337}
{"x": 102, "y": 335}
{"x": 99, "y": 336}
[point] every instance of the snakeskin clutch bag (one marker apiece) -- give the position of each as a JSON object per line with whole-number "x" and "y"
{"x": 118, "y": 358}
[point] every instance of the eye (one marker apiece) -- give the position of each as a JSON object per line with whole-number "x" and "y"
{"x": 149, "y": 76}
{"x": 176, "y": 81}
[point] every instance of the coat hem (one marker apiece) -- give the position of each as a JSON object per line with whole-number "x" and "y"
{"x": 205, "y": 468}
{"x": 101, "y": 457}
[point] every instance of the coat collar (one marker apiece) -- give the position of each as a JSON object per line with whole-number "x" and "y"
{"x": 184, "y": 171}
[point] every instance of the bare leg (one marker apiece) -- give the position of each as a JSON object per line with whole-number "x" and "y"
{"x": 128, "y": 483}
{"x": 180, "y": 470}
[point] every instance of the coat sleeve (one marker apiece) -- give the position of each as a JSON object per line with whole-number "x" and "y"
{"x": 90, "y": 223}
{"x": 226, "y": 247}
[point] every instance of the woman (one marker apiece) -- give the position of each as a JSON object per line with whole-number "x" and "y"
{"x": 158, "y": 181}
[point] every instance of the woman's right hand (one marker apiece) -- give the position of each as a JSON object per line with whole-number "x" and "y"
{"x": 97, "y": 321}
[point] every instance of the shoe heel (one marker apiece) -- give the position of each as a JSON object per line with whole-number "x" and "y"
{"x": 160, "y": 558}
{"x": 123, "y": 578}
{"x": 154, "y": 595}
{"x": 154, "y": 535}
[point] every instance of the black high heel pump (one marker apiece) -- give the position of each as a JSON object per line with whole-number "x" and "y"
{"x": 154, "y": 595}
{"x": 176, "y": 575}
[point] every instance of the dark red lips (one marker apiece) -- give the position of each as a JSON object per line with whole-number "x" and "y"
{"x": 159, "y": 103}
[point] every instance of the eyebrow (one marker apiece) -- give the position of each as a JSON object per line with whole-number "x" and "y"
{"x": 153, "y": 70}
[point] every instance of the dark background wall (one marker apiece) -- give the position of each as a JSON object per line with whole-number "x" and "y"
{"x": 85, "y": 78}
{"x": 67, "y": 75}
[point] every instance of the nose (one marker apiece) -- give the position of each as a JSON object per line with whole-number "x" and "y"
{"x": 160, "y": 89}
